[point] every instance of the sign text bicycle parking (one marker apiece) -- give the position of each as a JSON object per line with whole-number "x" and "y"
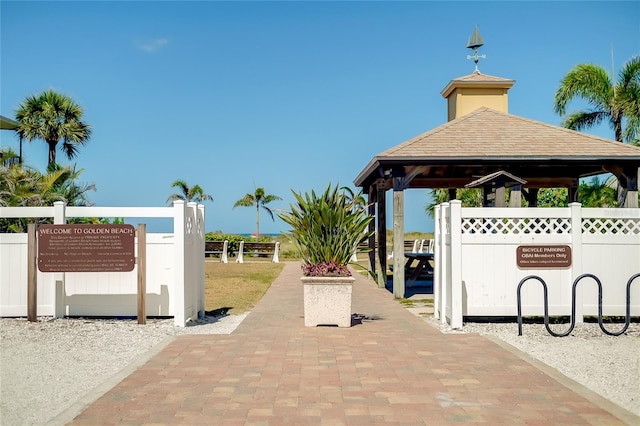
{"x": 543, "y": 256}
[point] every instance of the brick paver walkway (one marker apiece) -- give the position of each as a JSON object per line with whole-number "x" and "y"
{"x": 391, "y": 367}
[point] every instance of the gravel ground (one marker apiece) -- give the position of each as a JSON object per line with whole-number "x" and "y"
{"x": 47, "y": 366}
{"x": 607, "y": 365}
{"x": 50, "y": 365}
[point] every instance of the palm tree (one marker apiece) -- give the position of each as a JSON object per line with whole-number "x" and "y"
{"x": 597, "y": 193}
{"x": 617, "y": 103}
{"x": 62, "y": 184}
{"x": 188, "y": 193}
{"x": 258, "y": 199}
{"x": 53, "y": 117}
{"x": 22, "y": 186}
{"x": 19, "y": 186}
{"x": 470, "y": 197}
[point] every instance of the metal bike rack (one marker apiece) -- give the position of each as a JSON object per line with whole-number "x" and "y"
{"x": 573, "y": 305}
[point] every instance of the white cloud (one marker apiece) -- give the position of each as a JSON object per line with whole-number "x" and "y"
{"x": 151, "y": 45}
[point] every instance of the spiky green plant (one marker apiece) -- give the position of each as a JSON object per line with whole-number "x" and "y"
{"x": 326, "y": 229}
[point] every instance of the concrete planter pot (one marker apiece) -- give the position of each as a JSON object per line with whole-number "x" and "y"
{"x": 327, "y": 301}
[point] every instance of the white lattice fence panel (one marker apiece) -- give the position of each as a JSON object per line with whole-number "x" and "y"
{"x": 515, "y": 226}
{"x": 611, "y": 226}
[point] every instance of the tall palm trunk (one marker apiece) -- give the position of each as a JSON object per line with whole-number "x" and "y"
{"x": 257, "y": 221}
{"x": 52, "y": 151}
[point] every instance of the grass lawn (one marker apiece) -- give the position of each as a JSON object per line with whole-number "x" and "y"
{"x": 235, "y": 288}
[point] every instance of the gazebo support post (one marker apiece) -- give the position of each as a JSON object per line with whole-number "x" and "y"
{"x": 631, "y": 201}
{"x": 627, "y": 185}
{"x": 486, "y": 191}
{"x": 533, "y": 197}
{"x": 572, "y": 193}
{"x": 398, "y": 234}
{"x": 382, "y": 237}
{"x": 515, "y": 196}
{"x": 500, "y": 196}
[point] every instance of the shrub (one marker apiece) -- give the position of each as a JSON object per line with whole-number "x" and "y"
{"x": 327, "y": 228}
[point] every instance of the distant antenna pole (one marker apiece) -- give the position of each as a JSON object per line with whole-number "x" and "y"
{"x": 474, "y": 43}
{"x": 613, "y": 75}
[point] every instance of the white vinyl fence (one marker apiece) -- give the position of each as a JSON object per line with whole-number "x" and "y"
{"x": 477, "y": 271}
{"x": 174, "y": 272}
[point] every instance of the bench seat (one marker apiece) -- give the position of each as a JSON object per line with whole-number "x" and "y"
{"x": 259, "y": 249}
{"x": 217, "y": 248}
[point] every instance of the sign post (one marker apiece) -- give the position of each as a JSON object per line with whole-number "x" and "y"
{"x": 32, "y": 274}
{"x": 142, "y": 273}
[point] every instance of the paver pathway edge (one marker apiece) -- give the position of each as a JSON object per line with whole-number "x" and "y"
{"x": 391, "y": 367}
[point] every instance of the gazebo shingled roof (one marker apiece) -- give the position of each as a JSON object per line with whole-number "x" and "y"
{"x": 7, "y": 123}
{"x": 486, "y": 140}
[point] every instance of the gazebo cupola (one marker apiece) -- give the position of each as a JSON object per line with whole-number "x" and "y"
{"x": 467, "y": 94}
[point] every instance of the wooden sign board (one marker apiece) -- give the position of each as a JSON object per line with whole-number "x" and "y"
{"x": 543, "y": 256}
{"x": 86, "y": 248}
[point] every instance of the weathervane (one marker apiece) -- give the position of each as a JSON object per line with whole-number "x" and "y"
{"x": 474, "y": 43}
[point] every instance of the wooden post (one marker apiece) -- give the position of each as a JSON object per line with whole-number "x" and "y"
{"x": 32, "y": 274}
{"x": 500, "y": 196}
{"x": 381, "y": 199}
{"x": 142, "y": 273}
{"x": 572, "y": 194}
{"x": 371, "y": 210}
{"x": 398, "y": 237}
{"x": 486, "y": 191}
{"x": 515, "y": 196}
{"x": 533, "y": 197}
{"x": 631, "y": 200}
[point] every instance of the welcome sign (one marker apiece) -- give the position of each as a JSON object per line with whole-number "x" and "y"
{"x": 86, "y": 248}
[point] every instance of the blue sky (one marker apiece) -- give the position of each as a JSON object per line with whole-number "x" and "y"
{"x": 281, "y": 95}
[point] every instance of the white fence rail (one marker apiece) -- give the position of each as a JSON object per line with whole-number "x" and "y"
{"x": 175, "y": 270}
{"x": 477, "y": 270}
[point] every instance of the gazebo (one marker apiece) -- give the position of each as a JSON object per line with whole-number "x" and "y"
{"x": 7, "y": 123}
{"x": 481, "y": 138}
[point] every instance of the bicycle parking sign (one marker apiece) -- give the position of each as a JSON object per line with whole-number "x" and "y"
{"x": 543, "y": 256}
